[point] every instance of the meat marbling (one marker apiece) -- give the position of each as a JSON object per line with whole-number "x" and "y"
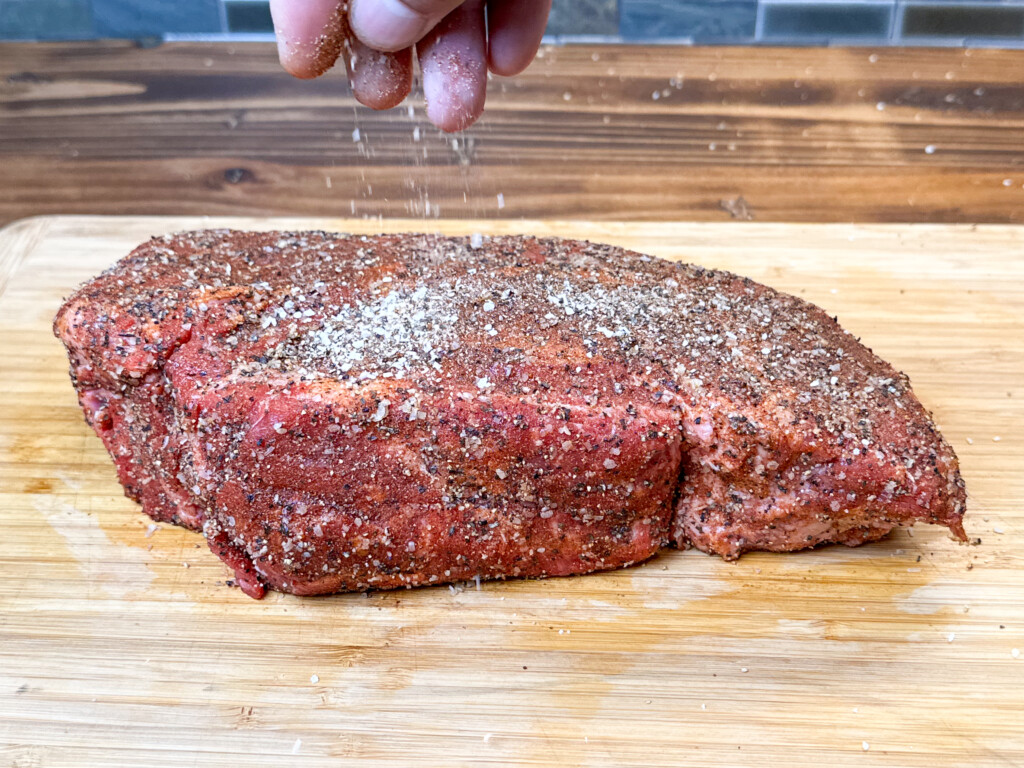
{"x": 343, "y": 413}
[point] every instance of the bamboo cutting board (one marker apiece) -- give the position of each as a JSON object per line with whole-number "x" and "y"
{"x": 121, "y": 645}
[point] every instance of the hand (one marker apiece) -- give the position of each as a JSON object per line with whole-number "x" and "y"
{"x": 377, "y": 37}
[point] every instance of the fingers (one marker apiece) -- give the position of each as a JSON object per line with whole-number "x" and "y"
{"x": 452, "y": 47}
{"x": 515, "y": 30}
{"x": 453, "y": 58}
{"x": 310, "y": 34}
{"x": 379, "y": 80}
{"x": 391, "y": 25}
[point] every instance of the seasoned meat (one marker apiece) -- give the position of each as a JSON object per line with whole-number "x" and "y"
{"x": 343, "y": 413}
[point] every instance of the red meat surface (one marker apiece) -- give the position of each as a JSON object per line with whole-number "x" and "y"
{"x": 344, "y": 413}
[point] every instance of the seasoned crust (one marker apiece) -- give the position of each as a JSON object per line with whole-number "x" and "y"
{"x": 552, "y": 406}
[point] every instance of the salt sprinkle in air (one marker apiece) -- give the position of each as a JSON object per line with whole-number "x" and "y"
{"x": 356, "y": 135}
{"x": 501, "y": 201}
{"x": 314, "y": 679}
{"x": 930, "y": 149}
{"x": 296, "y": 746}
{"x": 1015, "y": 653}
{"x": 865, "y": 746}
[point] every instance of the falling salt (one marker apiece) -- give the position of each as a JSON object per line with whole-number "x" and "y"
{"x": 296, "y": 746}
{"x": 930, "y": 149}
{"x": 501, "y": 201}
{"x": 355, "y": 134}
{"x": 314, "y": 679}
{"x": 865, "y": 746}
{"x": 476, "y": 240}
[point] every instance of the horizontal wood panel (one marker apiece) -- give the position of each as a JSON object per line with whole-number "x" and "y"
{"x": 772, "y": 134}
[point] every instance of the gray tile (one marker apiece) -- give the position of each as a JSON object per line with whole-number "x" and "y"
{"x": 963, "y": 20}
{"x": 701, "y": 20}
{"x": 584, "y": 17}
{"x": 827, "y": 21}
{"x": 249, "y": 17}
{"x": 45, "y": 19}
{"x": 135, "y": 18}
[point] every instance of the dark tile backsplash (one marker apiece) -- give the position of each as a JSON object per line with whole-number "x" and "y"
{"x": 960, "y": 22}
{"x": 139, "y": 18}
{"x": 826, "y": 21}
{"x": 791, "y": 22}
{"x": 698, "y": 20}
{"x": 584, "y": 17}
{"x": 46, "y": 20}
{"x": 249, "y": 17}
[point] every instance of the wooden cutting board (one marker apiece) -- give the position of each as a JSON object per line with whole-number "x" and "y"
{"x": 121, "y": 645}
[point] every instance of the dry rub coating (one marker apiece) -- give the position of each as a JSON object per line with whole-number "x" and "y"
{"x": 342, "y": 413}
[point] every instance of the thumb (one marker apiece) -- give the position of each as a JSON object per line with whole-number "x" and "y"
{"x": 391, "y": 25}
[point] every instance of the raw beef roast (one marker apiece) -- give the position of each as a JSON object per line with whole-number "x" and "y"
{"x": 343, "y": 413}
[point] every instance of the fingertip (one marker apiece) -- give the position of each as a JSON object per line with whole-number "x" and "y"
{"x": 299, "y": 66}
{"x": 310, "y": 35}
{"x": 515, "y": 31}
{"x": 453, "y": 58}
{"x": 380, "y": 80}
{"x": 452, "y": 112}
{"x": 508, "y": 60}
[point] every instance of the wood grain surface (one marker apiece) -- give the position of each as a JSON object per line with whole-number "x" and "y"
{"x": 772, "y": 134}
{"x": 120, "y": 644}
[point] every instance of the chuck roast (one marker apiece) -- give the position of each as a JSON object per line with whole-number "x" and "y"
{"x": 344, "y": 413}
